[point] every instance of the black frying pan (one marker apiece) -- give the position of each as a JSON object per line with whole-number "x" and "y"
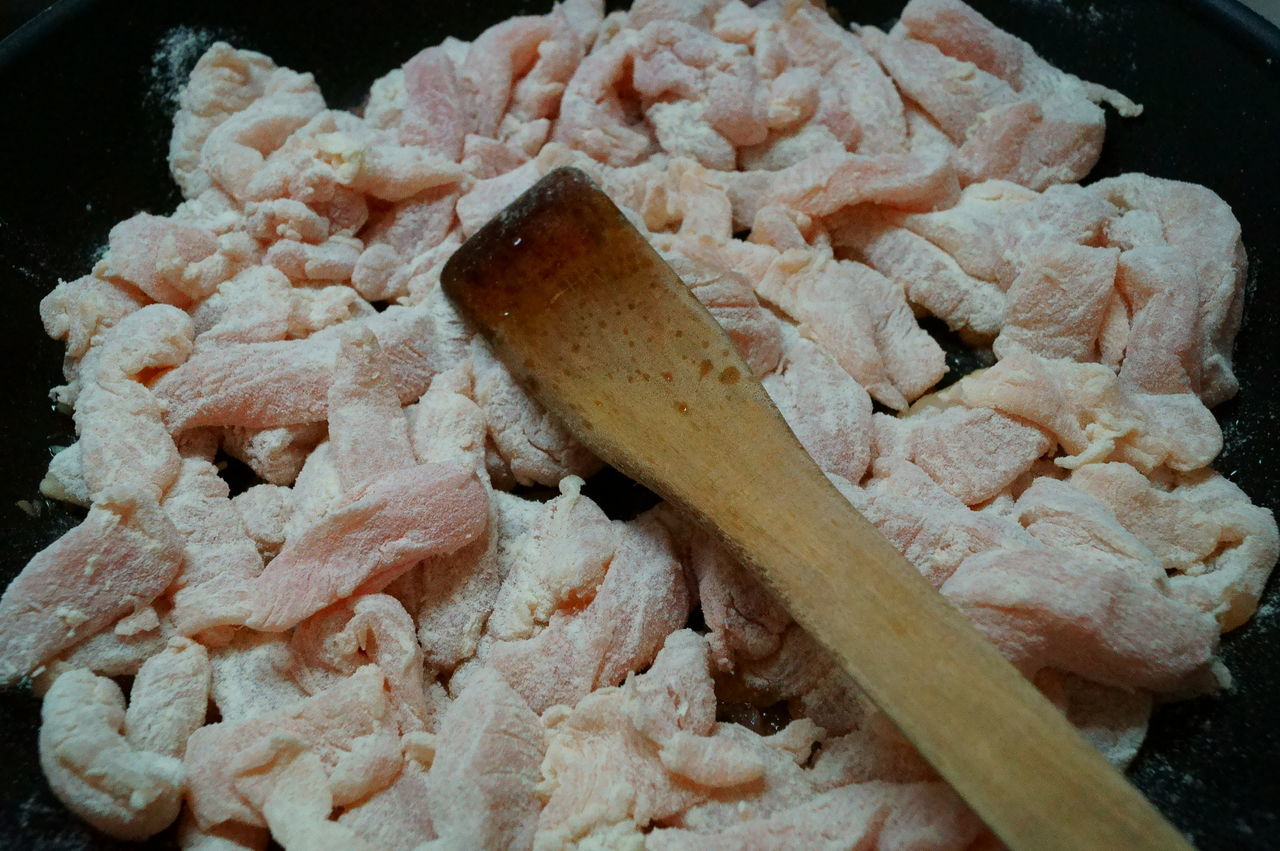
{"x": 84, "y": 129}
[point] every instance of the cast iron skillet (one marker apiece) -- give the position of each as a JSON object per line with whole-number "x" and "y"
{"x": 84, "y": 127}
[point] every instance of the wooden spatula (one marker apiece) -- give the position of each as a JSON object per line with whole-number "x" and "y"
{"x": 589, "y": 317}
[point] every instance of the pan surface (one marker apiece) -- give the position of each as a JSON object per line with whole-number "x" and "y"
{"x": 85, "y": 106}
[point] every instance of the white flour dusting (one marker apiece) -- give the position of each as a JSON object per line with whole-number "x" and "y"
{"x": 175, "y": 55}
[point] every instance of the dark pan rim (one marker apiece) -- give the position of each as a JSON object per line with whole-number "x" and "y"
{"x": 1230, "y": 17}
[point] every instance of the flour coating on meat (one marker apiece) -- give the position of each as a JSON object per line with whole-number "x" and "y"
{"x": 386, "y": 640}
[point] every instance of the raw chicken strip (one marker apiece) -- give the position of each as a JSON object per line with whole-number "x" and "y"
{"x": 533, "y": 444}
{"x": 730, "y": 299}
{"x": 828, "y": 411}
{"x": 931, "y": 278}
{"x": 77, "y": 311}
{"x": 1195, "y": 219}
{"x": 1015, "y": 116}
{"x": 446, "y": 425}
{"x": 115, "y": 652}
{"x": 744, "y": 620}
{"x": 169, "y": 699}
{"x": 125, "y": 792}
{"x": 1086, "y": 410}
{"x": 593, "y": 116}
{"x": 252, "y": 676}
{"x": 1043, "y": 608}
{"x": 124, "y": 554}
{"x": 1056, "y": 304}
{"x": 368, "y": 433}
{"x": 642, "y": 599}
{"x": 602, "y": 774}
{"x": 397, "y": 818}
{"x": 372, "y": 629}
{"x": 435, "y": 114}
{"x": 122, "y": 436}
{"x": 275, "y": 454}
{"x": 1218, "y": 547}
{"x": 225, "y": 83}
{"x": 932, "y": 528}
{"x": 232, "y": 768}
{"x": 481, "y": 787}
{"x": 861, "y": 318}
{"x": 456, "y": 599}
{"x": 887, "y": 816}
{"x": 261, "y": 385}
{"x": 559, "y": 562}
{"x": 380, "y": 530}
{"x": 973, "y": 453}
{"x": 264, "y": 512}
{"x": 219, "y": 559}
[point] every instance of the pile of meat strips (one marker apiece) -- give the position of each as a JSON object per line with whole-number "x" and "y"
{"x": 387, "y": 642}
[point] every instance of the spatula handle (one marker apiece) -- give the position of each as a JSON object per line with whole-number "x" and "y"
{"x": 986, "y": 729}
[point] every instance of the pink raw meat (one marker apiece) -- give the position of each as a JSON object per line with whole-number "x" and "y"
{"x": 275, "y": 454}
{"x": 862, "y": 319}
{"x": 931, "y": 278}
{"x": 397, "y": 818}
{"x": 435, "y": 113}
{"x": 228, "y": 836}
{"x": 932, "y": 528}
{"x": 1198, "y": 221}
{"x": 76, "y": 311}
{"x": 368, "y": 433}
{"x": 122, "y": 437}
{"x": 219, "y": 559}
{"x": 232, "y": 768}
{"x": 1017, "y": 117}
{"x": 642, "y": 599}
{"x": 743, "y": 619}
{"x": 169, "y": 699}
{"x": 224, "y": 83}
{"x": 1217, "y": 546}
{"x": 371, "y": 629}
{"x": 252, "y": 307}
{"x": 829, "y": 412}
{"x": 1056, "y": 303}
{"x": 730, "y": 299}
{"x": 536, "y": 97}
{"x": 396, "y": 236}
{"x": 558, "y": 562}
{"x": 532, "y": 443}
{"x": 500, "y": 56}
{"x": 1112, "y": 720}
{"x": 379, "y": 531}
{"x": 1047, "y": 609}
{"x": 855, "y": 94}
{"x": 237, "y": 150}
{"x": 886, "y": 816}
{"x": 973, "y": 454}
{"x": 481, "y": 786}
{"x": 124, "y": 554}
{"x": 829, "y": 181}
{"x": 605, "y": 776}
{"x": 125, "y": 792}
{"x": 252, "y": 676}
{"x": 260, "y": 385}
{"x": 593, "y": 116}
{"x": 457, "y": 599}
{"x": 446, "y": 424}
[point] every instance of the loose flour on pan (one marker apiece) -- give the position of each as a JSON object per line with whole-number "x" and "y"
{"x": 384, "y": 644}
